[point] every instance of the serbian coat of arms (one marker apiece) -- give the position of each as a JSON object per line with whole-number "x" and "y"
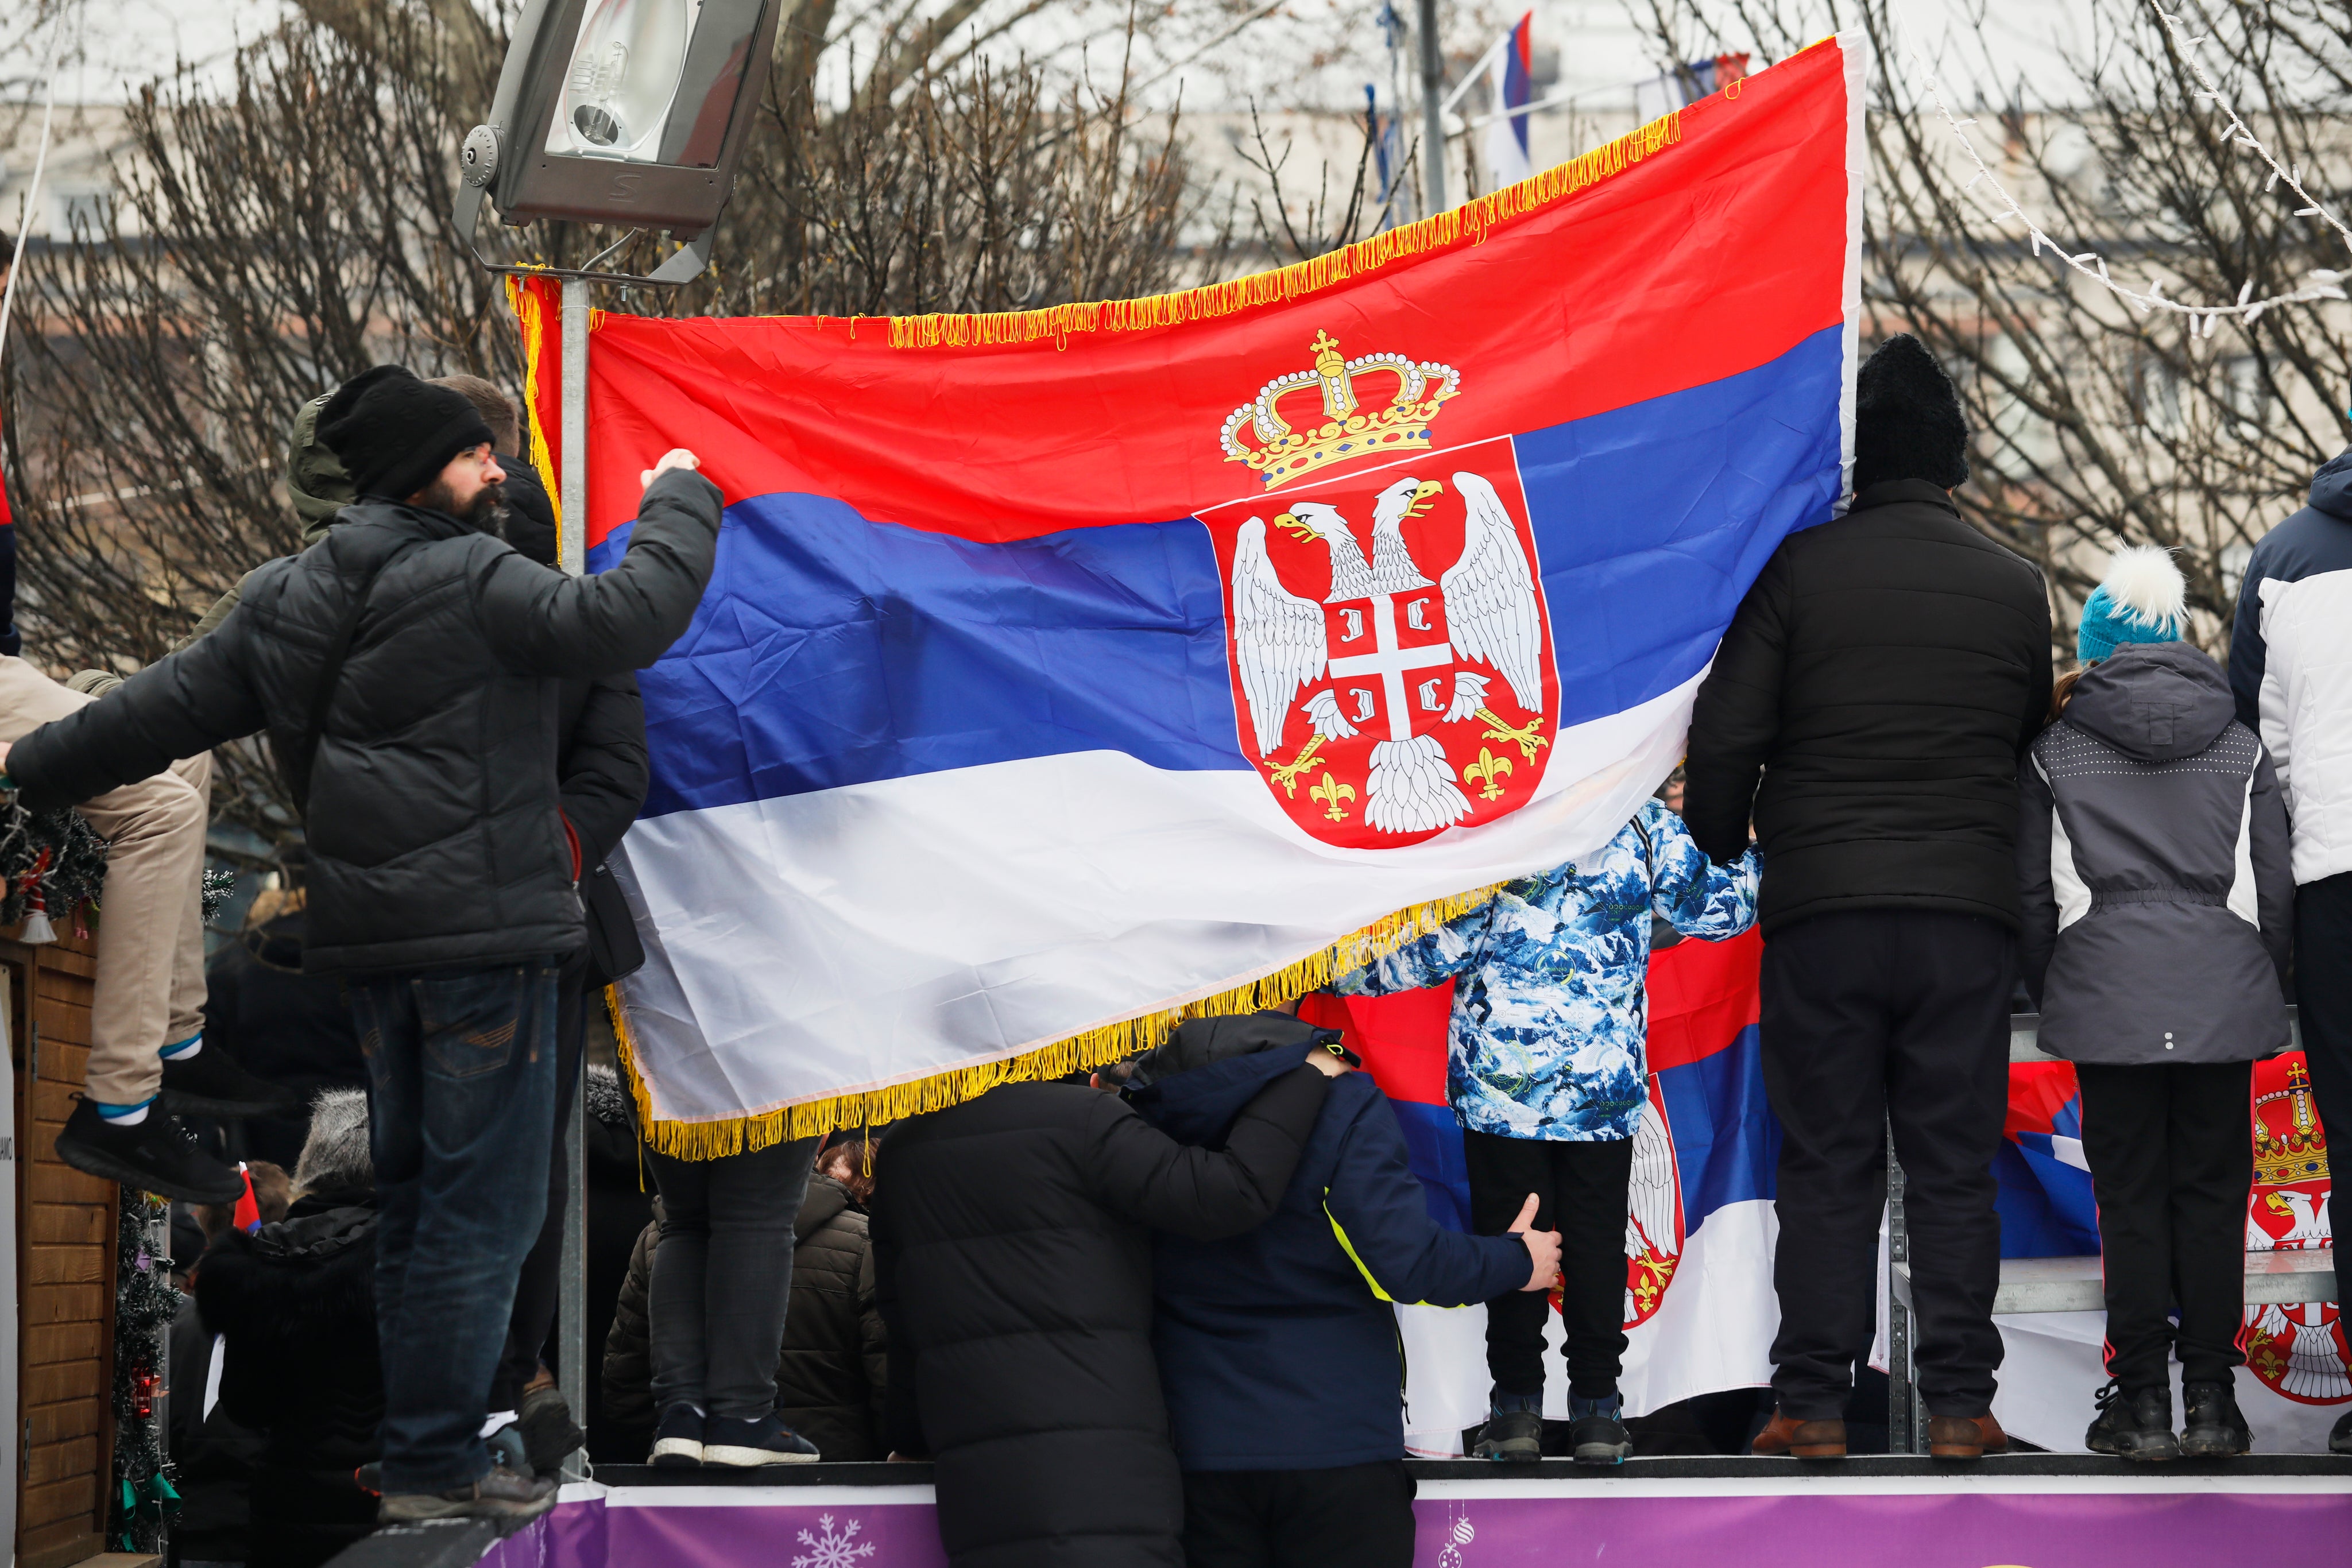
{"x": 2299, "y": 1350}
{"x": 1392, "y": 659}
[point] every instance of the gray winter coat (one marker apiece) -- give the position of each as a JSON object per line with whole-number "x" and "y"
{"x": 2153, "y": 861}
{"x": 436, "y": 837}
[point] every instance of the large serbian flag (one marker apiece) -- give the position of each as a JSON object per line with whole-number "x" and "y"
{"x": 1699, "y": 1226}
{"x": 1065, "y": 669}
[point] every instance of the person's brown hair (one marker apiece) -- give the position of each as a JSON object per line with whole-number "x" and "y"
{"x": 497, "y": 409}
{"x": 2062, "y": 691}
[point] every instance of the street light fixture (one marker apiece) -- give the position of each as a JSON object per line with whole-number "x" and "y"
{"x": 621, "y": 111}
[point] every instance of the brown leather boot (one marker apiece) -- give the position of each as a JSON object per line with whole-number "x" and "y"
{"x": 1964, "y": 1436}
{"x": 1802, "y": 1439}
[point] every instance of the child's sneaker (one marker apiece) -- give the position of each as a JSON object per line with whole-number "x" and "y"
{"x": 678, "y": 1441}
{"x": 1515, "y": 1435}
{"x": 2213, "y": 1428}
{"x": 1596, "y": 1431}
{"x": 2134, "y": 1425}
{"x": 729, "y": 1440}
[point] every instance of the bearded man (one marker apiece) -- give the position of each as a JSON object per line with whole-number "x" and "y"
{"x": 406, "y": 667}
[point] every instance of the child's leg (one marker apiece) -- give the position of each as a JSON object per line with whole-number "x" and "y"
{"x": 2125, "y": 1139}
{"x": 1589, "y": 1181}
{"x": 1503, "y": 1172}
{"x": 2213, "y": 1166}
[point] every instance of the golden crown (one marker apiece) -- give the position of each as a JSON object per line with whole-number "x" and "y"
{"x": 1283, "y": 450}
{"x": 2299, "y": 1153}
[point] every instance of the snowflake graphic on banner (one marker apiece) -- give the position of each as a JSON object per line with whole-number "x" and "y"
{"x": 831, "y": 1551}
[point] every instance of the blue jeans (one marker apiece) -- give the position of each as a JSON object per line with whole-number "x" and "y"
{"x": 461, "y": 1102}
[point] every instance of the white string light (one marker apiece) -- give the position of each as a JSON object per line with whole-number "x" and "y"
{"x": 2322, "y": 283}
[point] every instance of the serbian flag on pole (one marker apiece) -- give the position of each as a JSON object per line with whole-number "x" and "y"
{"x": 1066, "y": 669}
{"x": 1699, "y": 1226}
{"x": 1509, "y": 74}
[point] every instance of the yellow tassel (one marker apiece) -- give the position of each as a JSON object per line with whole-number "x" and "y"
{"x": 1467, "y": 223}
{"x": 528, "y": 311}
{"x": 1094, "y": 1047}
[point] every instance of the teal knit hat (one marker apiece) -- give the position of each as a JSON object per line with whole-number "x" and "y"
{"x": 2143, "y": 599}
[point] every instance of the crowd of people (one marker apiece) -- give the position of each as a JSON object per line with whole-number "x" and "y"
{"x": 1144, "y": 1315}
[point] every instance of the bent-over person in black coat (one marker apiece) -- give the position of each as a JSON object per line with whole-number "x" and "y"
{"x": 1012, "y": 1260}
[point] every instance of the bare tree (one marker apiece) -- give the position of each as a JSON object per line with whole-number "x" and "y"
{"x": 275, "y": 238}
{"x": 2098, "y": 424}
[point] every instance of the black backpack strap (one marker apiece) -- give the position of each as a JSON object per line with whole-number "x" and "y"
{"x": 305, "y": 753}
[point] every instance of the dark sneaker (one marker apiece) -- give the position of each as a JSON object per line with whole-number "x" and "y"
{"x": 2213, "y": 1428}
{"x": 504, "y": 1498}
{"x": 2339, "y": 1436}
{"x": 550, "y": 1436}
{"x": 727, "y": 1440}
{"x": 211, "y": 1083}
{"x": 2134, "y": 1425}
{"x": 1515, "y": 1435}
{"x": 678, "y": 1441}
{"x": 1785, "y": 1434}
{"x": 1599, "y": 1439}
{"x": 158, "y": 1155}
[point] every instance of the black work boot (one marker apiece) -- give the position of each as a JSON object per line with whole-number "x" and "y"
{"x": 2133, "y": 1425}
{"x": 1596, "y": 1431}
{"x": 1511, "y": 1434}
{"x": 2213, "y": 1428}
{"x": 550, "y": 1435}
{"x": 157, "y": 1156}
{"x": 211, "y": 1083}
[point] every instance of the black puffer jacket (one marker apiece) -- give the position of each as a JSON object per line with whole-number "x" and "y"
{"x": 830, "y": 1373}
{"x": 435, "y": 836}
{"x": 2160, "y": 896}
{"x": 1013, "y": 1265}
{"x": 296, "y": 1302}
{"x": 1883, "y": 676}
{"x": 283, "y": 1026}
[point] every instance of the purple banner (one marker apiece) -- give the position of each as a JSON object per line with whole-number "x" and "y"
{"x": 1813, "y": 1523}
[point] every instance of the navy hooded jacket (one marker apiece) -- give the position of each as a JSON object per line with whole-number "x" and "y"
{"x": 1278, "y": 1348}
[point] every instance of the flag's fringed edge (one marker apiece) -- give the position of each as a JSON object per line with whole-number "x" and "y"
{"x": 1095, "y": 1047}
{"x": 1468, "y": 222}
{"x": 530, "y": 310}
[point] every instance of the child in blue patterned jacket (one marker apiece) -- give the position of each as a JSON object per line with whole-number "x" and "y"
{"x": 1546, "y": 1074}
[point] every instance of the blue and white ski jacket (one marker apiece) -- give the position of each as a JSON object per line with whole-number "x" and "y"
{"x": 1549, "y": 1015}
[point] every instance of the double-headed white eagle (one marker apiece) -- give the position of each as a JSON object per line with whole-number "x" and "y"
{"x": 1282, "y": 642}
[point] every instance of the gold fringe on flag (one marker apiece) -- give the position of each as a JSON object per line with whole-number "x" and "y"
{"x": 1093, "y": 1048}
{"x": 530, "y": 310}
{"x": 1467, "y": 223}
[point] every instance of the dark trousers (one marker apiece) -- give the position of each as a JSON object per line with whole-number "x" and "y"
{"x": 2323, "y": 989}
{"x": 2171, "y": 1155}
{"x": 461, "y": 1096}
{"x": 1355, "y": 1516}
{"x": 1872, "y": 1015}
{"x": 541, "y": 1279}
{"x": 1580, "y": 1190}
{"x": 723, "y": 1276}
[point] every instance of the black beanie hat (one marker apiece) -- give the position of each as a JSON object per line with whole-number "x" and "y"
{"x": 394, "y": 433}
{"x": 1908, "y": 423}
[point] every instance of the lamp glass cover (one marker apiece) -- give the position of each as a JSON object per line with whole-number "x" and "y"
{"x": 655, "y": 81}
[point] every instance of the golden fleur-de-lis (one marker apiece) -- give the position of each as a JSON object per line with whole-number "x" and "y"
{"x": 1525, "y": 737}
{"x": 1331, "y": 792}
{"x": 1286, "y": 774}
{"x": 1485, "y": 772}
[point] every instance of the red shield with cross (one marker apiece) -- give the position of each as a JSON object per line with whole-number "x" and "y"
{"x": 1392, "y": 659}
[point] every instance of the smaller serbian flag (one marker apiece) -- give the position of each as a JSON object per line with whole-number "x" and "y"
{"x": 1699, "y": 1226}
{"x": 1509, "y": 73}
{"x": 1066, "y": 670}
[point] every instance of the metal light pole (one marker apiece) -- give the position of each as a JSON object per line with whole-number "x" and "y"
{"x": 632, "y": 113}
{"x": 1433, "y": 116}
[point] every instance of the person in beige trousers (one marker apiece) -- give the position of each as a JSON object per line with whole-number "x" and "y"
{"x": 150, "y": 974}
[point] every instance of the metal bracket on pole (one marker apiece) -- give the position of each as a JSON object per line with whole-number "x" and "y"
{"x": 1433, "y": 130}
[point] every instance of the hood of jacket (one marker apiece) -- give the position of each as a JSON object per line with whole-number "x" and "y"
{"x": 2331, "y": 487}
{"x": 1200, "y": 1041}
{"x": 309, "y": 1274}
{"x": 2154, "y": 702}
{"x": 1198, "y": 1106}
{"x": 825, "y": 1199}
{"x": 315, "y": 481}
